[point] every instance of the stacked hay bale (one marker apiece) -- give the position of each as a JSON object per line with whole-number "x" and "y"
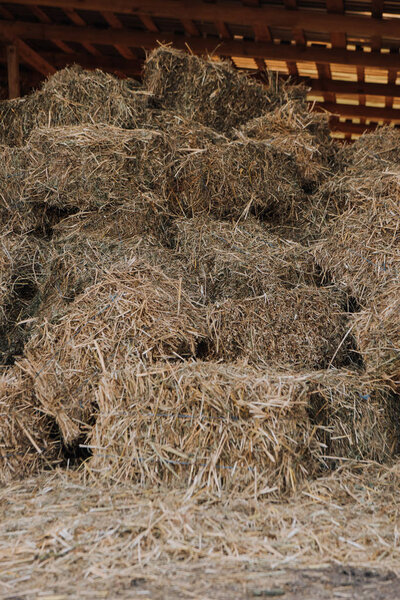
{"x": 217, "y": 425}
{"x": 360, "y": 245}
{"x": 171, "y": 331}
{"x": 73, "y": 96}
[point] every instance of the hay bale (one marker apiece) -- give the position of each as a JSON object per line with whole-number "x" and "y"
{"x": 132, "y": 313}
{"x": 239, "y": 260}
{"x": 376, "y": 328}
{"x": 355, "y": 416}
{"x": 303, "y": 135}
{"x": 236, "y": 179}
{"x": 377, "y": 150}
{"x": 360, "y": 248}
{"x": 90, "y": 167}
{"x": 16, "y": 215}
{"x": 78, "y": 257}
{"x": 212, "y": 93}
{"x": 27, "y": 441}
{"x": 74, "y": 96}
{"x": 205, "y": 424}
{"x": 221, "y": 425}
{"x": 300, "y": 328}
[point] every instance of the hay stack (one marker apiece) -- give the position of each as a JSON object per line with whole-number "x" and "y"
{"x": 74, "y": 96}
{"x": 212, "y": 93}
{"x": 132, "y": 313}
{"x": 214, "y": 425}
{"x": 240, "y": 260}
{"x": 27, "y": 443}
{"x": 296, "y": 329}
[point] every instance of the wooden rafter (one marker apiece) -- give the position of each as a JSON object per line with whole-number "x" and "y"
{"x": 240, "y": 48}
{"x": 115, "y": 23}
{"x": 44, "y": 18}
{"x": 238, "y": 13}
{"x": 366, "y": 112}
{"x": 77, "y": 20}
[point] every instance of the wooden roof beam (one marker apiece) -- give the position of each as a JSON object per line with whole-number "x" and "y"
{"x": 44, "y": 18}
{"x": 242, "y": 48}
{"x": 366, "y": 112}
{"x": 24, "y": 52}
{"x": 115, "y": 23}
{"x": 238, "y": 13}
{"x": 77, "y": 20}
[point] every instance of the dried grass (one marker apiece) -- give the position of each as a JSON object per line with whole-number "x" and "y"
{"x": 131, "y": 313}
{"x": 304, "y": 135}
{"x": 360, "y": 246}
{"x": 212, "y": 93}
{"x": 239, "y": 260}
{"x": 233, "y": 427}
{"x": 296, "y": 329}
{"x": 74, "y": 96}
{"x": 21, "y": 270}
{"x": 92, "y": 167}
{"x": 26, "y": 442}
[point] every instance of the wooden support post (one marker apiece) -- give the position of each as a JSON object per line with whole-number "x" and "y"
{"x": 13, "y": 72}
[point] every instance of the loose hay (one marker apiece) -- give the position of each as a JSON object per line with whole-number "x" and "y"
{"x": 74, "y": 96}
{"x": 26, "y": 441}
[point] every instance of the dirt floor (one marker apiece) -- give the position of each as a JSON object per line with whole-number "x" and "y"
{"x": 63, "y": 535}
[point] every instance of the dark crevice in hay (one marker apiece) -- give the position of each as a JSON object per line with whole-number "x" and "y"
{"x": 76, "y": 454}
{"x": 323, "y": 278}
{"x": 23, "y": 305}
{"x": 204, "y": 349}
{"x": 50, "y": 216}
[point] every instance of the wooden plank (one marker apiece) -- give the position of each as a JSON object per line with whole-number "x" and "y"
{"x": 356, "y": 87}
{"x": 77, "y": 20}
{"x": 44, "y": 18}
{"x": 13, "y": 72}
{"x": 377, "y": 8}
{"x": 234, "y": 12}
{"x": 242, "y": 48}
{"x": 290, "y": 4}
{"x": 368, "y": 112}
{"x": 190, "y": 27}
{"x": 336, "y": 125}
{"x": 324, "y": 74}
{"x": 149, "y": 23}
{"x": 115, "y": 23}
{"x": 223, "y": 30}
{"x": 262, "y": 33}
{"x": 335, "y": 6}
{"x": 33, "y": 59}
